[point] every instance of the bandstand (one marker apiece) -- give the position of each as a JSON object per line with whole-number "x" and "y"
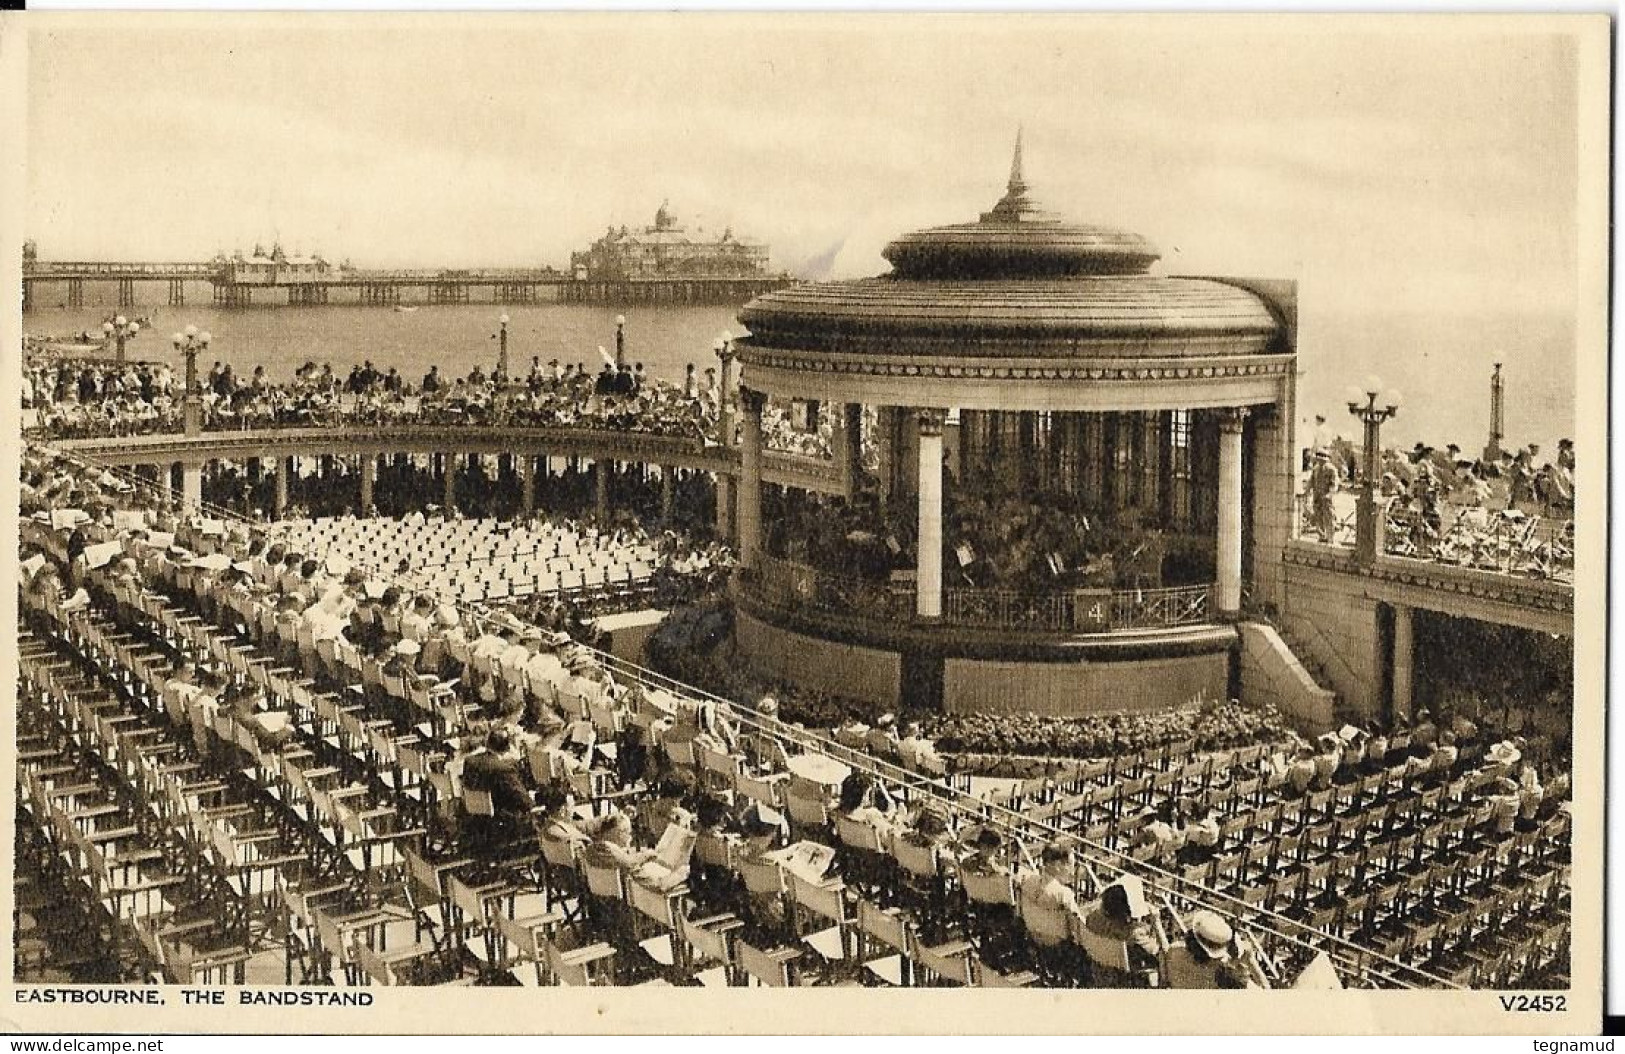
{"x": 1021, "y": 362}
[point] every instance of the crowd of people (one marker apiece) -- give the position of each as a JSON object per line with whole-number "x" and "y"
{"x": 537, "y": 694}
{"x": 1512, "y": 512}
{"x": 91, "y": 397}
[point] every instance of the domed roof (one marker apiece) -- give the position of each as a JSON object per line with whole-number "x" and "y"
{"x": 1018, "y": 276}
{"x": 1017, "y": 239}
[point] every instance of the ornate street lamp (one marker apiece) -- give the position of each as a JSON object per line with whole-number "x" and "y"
{"x": 189, "y": 343}
{"x": 120, "y": 331}
{"x": 1372, "y": 406}
{"x": 502, "y": 347}
{"x": 620, "y": 342}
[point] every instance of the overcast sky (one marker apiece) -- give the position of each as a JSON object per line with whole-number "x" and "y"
{"x": 1416, "y": 169}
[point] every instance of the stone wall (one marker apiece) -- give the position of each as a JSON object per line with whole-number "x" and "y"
{"x": 1328, "y": 613}
{"x": 1271, "y": 674}
{"x": 1073, "y": 688}
{"x": 842, "y": 669}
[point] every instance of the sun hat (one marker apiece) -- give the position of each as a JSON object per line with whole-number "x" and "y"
{"x": 1211, "y": 932}
{"x": 1125, "y": 898}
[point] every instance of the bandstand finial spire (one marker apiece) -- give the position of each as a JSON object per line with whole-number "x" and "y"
{"x": 1017, "y": 183}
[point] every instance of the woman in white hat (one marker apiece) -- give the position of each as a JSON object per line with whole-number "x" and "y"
{"x": 1208, "y": 957}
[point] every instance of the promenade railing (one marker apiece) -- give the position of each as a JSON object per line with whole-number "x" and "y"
{"x": 1503, "y": 541}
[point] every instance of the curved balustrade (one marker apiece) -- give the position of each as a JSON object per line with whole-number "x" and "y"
{"x": 1472, "y": 537}
{"x": 1061, "y": 611}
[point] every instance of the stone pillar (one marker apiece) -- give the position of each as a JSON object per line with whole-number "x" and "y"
{"x": 1227, "y": 591}
{"x": 668, "y": 493}
{"x": 527, "y": 470}
{"x": 928, "y": 585}
{"x": 284, "y": 472}
{"x": 1404, "y": 661}
{"x": 725, "y": 506}
{"x": 449, "y": 476}
{"x": 192, "y": 485}
{"x": 369, "y": 480}
{"x": 600, "y": 478}
{"x": 1274, "y": 500}
{"x": 751, "y": 403}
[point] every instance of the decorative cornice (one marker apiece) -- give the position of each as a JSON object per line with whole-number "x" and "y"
{"x": 1530, "y": 594}
{"x": 1153, "y": 371}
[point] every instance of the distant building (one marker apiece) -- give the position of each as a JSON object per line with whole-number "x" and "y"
{"x": 668, "y": 250}
{"x": 273, "y": 268}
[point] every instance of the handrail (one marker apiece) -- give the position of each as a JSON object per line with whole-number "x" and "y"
{"x": 1081, "y": 610}
{"x": 1464, "y": 536}
{"x": 1353, "y": 961}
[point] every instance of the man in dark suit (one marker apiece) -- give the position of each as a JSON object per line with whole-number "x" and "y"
{"x": 496, "y": 771}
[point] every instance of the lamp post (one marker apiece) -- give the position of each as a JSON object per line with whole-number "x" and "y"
{"x": 119, "y": 330}
{"x": 189, "y": 343}
{"x": 502, "y": 346}
{"x": 620, "y": 343}
{"x": 1363, "y": 404}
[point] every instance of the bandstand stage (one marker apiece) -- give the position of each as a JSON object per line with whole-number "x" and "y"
{"x": 1023, "y": 357}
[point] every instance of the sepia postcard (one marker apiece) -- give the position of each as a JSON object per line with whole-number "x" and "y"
{"x": 879, "y": 523}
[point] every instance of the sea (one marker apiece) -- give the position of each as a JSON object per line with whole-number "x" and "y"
{"x": 1441, "y": 365}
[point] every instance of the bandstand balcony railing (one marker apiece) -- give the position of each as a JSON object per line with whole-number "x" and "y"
{"x": 1518, "y": 544}
{"x": 787, "y": 582}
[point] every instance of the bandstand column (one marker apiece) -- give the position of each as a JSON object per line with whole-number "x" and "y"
{"x": 449, "y": 476}
{"x": 600, "y": 478}
{"x": 527, "y": 471}
{"x": 668, "y": 492}
{"x": 928, "y": 585}
{"x": 369, "y": 480}
{"x": 1404, "y": 661}
{"x": 750, "y": 476}
{"x": 1227, "y": 592}
{"x": 851, "y": 432}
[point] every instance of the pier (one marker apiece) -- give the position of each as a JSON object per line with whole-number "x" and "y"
{"x": 136, "y": 282}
